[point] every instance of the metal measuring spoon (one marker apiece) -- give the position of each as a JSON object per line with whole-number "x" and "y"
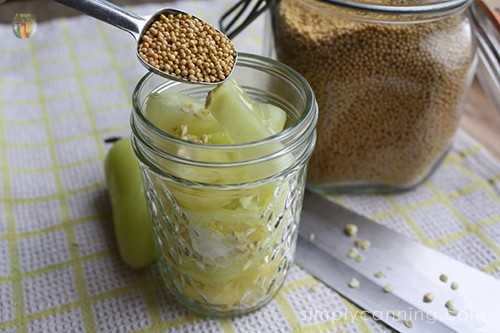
{"x": 134, "y": 24}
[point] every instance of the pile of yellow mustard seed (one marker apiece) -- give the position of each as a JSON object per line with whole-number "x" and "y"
{"x": 184, "y": 46}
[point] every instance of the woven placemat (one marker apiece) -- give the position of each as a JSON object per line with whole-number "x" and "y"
{"x": 66, "y": 89}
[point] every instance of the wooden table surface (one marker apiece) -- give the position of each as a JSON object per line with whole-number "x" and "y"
{"x": 480, "y": 119}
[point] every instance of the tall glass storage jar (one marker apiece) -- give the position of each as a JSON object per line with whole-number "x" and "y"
{"x": 390, "y": 78}
{"x": 225, "y": 217}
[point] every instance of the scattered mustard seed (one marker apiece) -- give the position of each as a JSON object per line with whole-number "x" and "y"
{"x": 395, "y": 314}
{"x": 351, "y": 230}
{"x": 186, "y": 47}
{"x": 449, "y": 304}
{"x": 443, "y": 277}
{"x": 312, "y": 236}
{"x": 408, "y": 323}
{"x": 378, "y": 275}
{"x": 183, "y": 130}
{"x": 388, "y": 288}
{"x": 452, "y": 310}
{"x": 354, "y": 283}
{"x": 184, "y": 134}
{"x": 314, "y": 288}
{"x": 429, "y": 297}
{"x": 355, "y": 255}
{"x": 454, "y": 285}
{"x": 363, "y": 244}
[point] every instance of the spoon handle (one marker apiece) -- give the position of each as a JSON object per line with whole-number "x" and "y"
{"x": 110, "y": 13}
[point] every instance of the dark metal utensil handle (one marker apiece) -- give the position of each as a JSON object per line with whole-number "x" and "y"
{"x": 232, "y": 22}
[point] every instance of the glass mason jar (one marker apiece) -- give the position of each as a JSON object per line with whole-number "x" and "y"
{"x": 390, "y": 78}
{"x": 225, "y": 217}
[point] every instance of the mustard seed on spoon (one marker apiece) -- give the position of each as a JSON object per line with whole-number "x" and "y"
{"x": 184, "y": 46}
{"x": 171, "y": 43}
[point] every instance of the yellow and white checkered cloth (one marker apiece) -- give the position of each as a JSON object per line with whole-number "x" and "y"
{"x": 69, "y": 87}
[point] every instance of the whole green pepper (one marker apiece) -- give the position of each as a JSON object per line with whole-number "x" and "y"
{"x": 130, "y": 215}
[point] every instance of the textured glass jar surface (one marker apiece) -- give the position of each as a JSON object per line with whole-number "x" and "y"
{"x": 390, "y": 89}
{"x": 225, "y": 217}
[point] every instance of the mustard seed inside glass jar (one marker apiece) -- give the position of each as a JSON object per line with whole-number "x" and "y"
{"x": 225, "y": 216}
{"x": 390, "y": 78}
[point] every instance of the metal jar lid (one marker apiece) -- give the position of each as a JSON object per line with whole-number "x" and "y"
{"x": 244, "y": 12}
{"x": 413, "y": 7}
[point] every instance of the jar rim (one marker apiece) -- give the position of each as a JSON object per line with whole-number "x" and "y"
{"x": 306, "y": 119}
{"x": 428, "y": 8}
